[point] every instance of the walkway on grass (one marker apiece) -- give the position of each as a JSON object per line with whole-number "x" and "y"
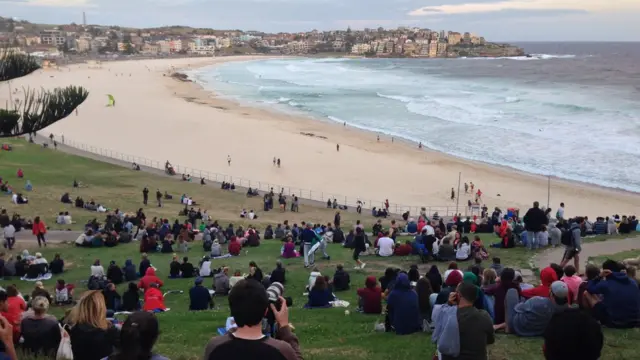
{"x": 589, "y": 250}
{"x": 52, "y": 236}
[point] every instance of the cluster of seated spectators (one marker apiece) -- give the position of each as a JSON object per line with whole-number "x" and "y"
{"x": 252, "y": 192}
{"x": 227, "y": 186}
{"x": 29, "y": 266}
{"x": 90, "y": 205}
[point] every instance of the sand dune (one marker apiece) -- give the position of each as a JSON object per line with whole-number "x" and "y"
{"x": 161, "y": 118}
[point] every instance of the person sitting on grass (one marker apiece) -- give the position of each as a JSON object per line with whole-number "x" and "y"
{"x": 237, "y": 276}
{"x": 499, "y": 292}
{"x": 341, "y": 279}
{"x": 414, "y": 273}
{"x": 64, "y": 293}
{"x": 572, "y": 280}
{"x": 148, "y": 279}
{"x": 129, "y": 271}
{"x": 187, "y": 270}
{"x": 614, "y": 298}
{"x": 446, "y": 251}
{"x": 221, "y": 281}
{"x": 370, "y": 297}
{"x": 199, "y": 297}
{"x": 92, "y": 335}
{"x": 137, "y": 337}
{"x": 404, "y": 249}
{"x": 496, "y": 266}
{"x": 463, "y": 252}
{"x": 573, "y": 334}
{"x": 174, "y": 268}
{"x": 111, "y": 297}
{"x": 97, "y": 271}
{"x": 319, "y": 295}
{"x": 234, "y": 246}
{"x": 39, "y": 290}
{"x": 424, "y": 291}
{"x": 114, "y": 273}
{"x": 153, "y": 299}
{"x": 547, "y": 277}
{"x": 57, "y": 265}
{"x": 289, "y": 249}
{"x": 532, "y": 317}
{"x": 255, "y": 272}
{"x": 216, "y": 249}
{"x": 131, "y": 298}
{"x": 278, "y": 274}
{"x": 40, "y": 332}
{"x": 403, "y": 310}
{"x": 385, "y": 245}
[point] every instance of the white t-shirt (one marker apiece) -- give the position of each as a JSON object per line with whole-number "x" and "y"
{"x": 97, "y": 271}
{"x": 463, "y": 252}
{"x": 386, "y": 246}
{"x": 430, "y": 230}
{"x": 560, "y": 213}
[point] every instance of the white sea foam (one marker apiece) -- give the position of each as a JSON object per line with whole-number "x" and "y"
{"x": 524, "y": 124}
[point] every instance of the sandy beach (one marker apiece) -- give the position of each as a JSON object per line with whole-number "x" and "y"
{"x": 161, "y": 118}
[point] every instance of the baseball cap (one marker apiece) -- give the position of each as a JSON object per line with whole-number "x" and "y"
{"x": 199, "y": 280}
{"x": 559, "y": 289}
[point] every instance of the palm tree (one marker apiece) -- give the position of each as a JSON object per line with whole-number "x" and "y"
{"x": 38, "y": 109}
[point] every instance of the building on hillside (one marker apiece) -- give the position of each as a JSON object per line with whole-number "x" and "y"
{"x": 178, "y": 45}
{"x": 224, "y": 43}
{"x": 409, "y": 48}
{"x": 83, "y": 45}
{"x": 442, "y": 49}
{"x": 150, "y": 49}
{"x": 454, "y": 38}
{"x": 297, "y": 47}
{"x": 52, "y": 37}
{"x": 360, "y": 49}
{"x": 209, "y": 50}
{"x": 433, "y": 49}
{"x": 164, "y": 47}
{"x": 122, "y": 46}
{"x": 32, "y": 40}
{"x": 466, "y": 37}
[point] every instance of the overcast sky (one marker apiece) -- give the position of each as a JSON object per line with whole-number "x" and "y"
{"x": 497, "y": 20}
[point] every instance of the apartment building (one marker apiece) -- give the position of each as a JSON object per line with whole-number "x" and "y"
{"x": 442, "y": 49}
{"x": 454, "y": 38}
{"x": 52, "y": 37}
{"x": 164, "y": 46}
{"x": 150, "y": 49}
{"x": 433, "y": 49}
{"x": 360, "y": 49}
{"x": 83, "y": 45}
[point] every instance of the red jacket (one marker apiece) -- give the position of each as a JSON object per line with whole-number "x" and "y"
{"x": 39, "y": 228}
{"x": 15, "y": 307}
{"x": 153, "y": 299}
{"x": 547, "y": 276}
{"x": 234, "y": 248}
{"x": 149, "y": 278}
{"x": 403, "y": 250}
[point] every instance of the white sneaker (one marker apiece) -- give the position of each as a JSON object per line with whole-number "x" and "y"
{"x": 363, "y": 265}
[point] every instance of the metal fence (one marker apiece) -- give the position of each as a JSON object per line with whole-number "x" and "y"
{"x": 315, "y": 195}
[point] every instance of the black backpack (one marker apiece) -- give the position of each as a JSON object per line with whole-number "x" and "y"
{"x": 567, "y": 238}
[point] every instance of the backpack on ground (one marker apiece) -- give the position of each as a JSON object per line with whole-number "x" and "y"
{"x": 567, "y": 238}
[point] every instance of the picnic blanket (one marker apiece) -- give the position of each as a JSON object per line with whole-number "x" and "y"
{"x": 46, "y": 276}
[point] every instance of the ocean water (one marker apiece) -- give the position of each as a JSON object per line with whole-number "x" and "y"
{"x": 570, "y": 110}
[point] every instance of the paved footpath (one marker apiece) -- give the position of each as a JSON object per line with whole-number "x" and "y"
{"x": 53, "y": 236}
{"x": 598, "y": 248}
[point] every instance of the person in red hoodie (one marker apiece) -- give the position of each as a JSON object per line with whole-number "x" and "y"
{"x": 234, "y": 246}
{"x": 39, "y": 229}
{"x": 153, "y": 299}
{"x": 547, "y": 277}
{"x": 149, "y": 278}
{"x": 404, "y": 250}
{"x": 370, "y": 297}
{"x": 15, "y": 306}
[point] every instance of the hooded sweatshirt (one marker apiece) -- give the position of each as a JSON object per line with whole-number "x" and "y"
{"x": 532, "y": 316}
{"x": 371, "y": 296}
{"x": 153, "y": 299}
{"x": 221, "y": 283}
{"x": 129, "y": 271}
{"x": 404, "y": 311}
{"x": 149, "y": 278}
{"x": 547, "y": 276}
{"x": 621, "y": 298}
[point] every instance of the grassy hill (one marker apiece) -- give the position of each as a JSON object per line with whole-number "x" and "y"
{"x": 326, "y": 334}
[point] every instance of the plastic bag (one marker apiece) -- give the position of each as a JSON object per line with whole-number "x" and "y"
{"x": 64, "y": 349}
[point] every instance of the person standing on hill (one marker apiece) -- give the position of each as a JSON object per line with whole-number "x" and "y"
{"x": 159, "y": 197}
{"x": 534, "y": 221}
{"x": 145, "y": 195}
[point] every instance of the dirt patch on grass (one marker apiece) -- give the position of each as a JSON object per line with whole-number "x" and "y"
{"x": 341, "y": 352}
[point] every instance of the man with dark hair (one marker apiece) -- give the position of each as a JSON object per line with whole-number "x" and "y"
{"x": 534, "y": 221}
{"x": 575, "y": 246}
{"x": 249, "y": 303}
{"x": 573, "y": 334}
{"x": 620, "y": 304}
{"x": 475, "y": 326}
{"x": 531, "y": 317}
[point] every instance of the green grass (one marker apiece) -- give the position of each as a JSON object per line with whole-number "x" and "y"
{"x": 598, "y": 260}
{"x": 326, "y": 334}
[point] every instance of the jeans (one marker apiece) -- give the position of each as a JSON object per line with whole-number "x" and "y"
{"x": 309, "y": 259}
{"x": 41, "y": 239}
{"x": 9, "y": 242}
{"x": 532, "y": 240}
{"x": 511, "y": 300}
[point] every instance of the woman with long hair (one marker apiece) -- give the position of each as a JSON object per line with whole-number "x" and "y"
{"x": 137, "y": 337}
{"x": 93, "y": 337}
{"x": 39, "y": 229}
{"x": 320, "y": 295}
{"x": 424, "y": 291}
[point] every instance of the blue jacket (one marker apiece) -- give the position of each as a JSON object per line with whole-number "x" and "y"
{"x": 199, "y": 298}
{"x": 319, "y": 298}
{"x": 621, "y": 298}
{"x": 129, "y": 271}
{"x": 404, "y": 311}
{"x": 308, "y": 236}
{"x": 600, "y": 228}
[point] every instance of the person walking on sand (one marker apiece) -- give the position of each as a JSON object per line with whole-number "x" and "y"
{"x": 338, "y": 147}
{"x": 466, "y": 188}
{"x": 420, "y": 145}
{"x": 278, "y": 162}
{"x": 471, "y": 186}
{"x": 378, "y": 138}
{"x": 274, "y": 161}
{"x": 229, "y": 160}
{"x": 453, "y": 194}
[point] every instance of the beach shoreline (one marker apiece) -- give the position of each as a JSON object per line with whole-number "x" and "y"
{"x": 204, "y": 128}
